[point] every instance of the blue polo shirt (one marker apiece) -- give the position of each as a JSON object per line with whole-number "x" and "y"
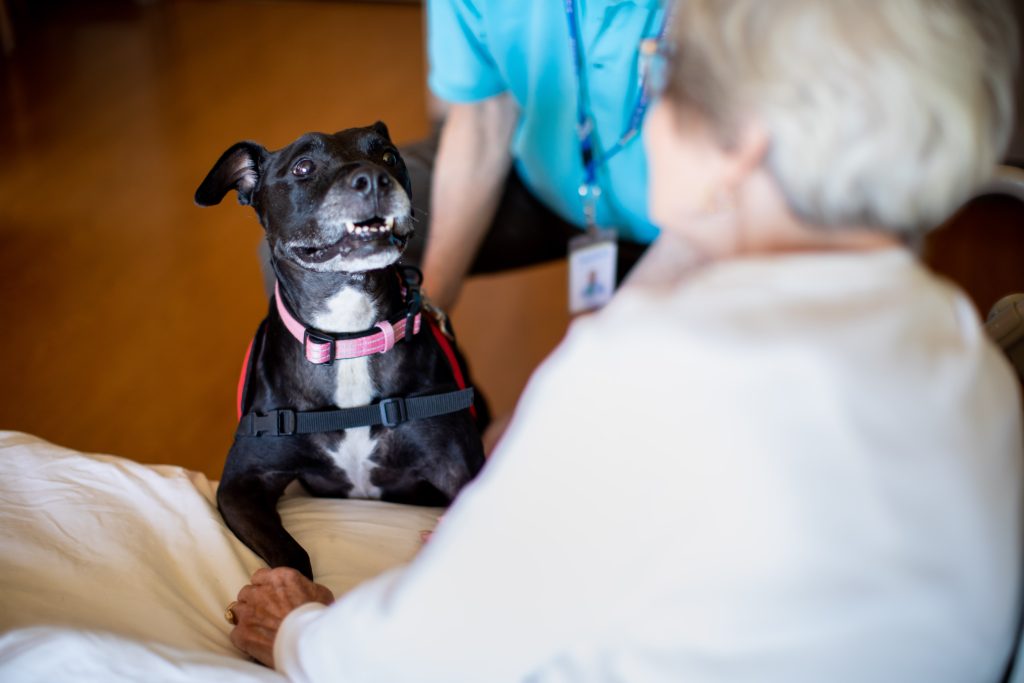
{"x": 481, "y": 48}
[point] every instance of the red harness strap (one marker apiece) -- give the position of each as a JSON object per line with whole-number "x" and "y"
{"x": 243, "y": 377}
{"x": 449, "y": 353}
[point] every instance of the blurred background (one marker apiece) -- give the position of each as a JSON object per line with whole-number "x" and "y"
{"x": 125, "y": 310}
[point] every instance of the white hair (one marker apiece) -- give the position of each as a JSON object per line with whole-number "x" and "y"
{"x": 884, "y": 113}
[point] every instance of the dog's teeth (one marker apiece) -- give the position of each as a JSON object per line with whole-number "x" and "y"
{"x": 389, "y": 223}
{"x": 350, "y": 227}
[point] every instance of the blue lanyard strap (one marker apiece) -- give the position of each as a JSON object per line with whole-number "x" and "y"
{"x": 590, "y": 155}
{"x": 584, "y": 125}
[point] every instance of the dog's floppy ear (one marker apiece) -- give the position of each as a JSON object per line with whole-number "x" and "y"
{"x": 239, "y": 168}
{"x": 381, "y": 129}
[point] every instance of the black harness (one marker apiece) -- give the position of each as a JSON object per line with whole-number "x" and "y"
{"x": 389, "y": 412}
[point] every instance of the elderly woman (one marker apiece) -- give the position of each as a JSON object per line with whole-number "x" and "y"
{"x": 785, "y": 452}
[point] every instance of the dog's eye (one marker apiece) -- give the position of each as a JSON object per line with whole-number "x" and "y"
{"x": 390, "y": 159}
{"x": 303, "y": 167}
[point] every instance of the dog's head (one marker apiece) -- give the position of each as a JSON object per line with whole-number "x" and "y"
{"x": 329, "y": 203}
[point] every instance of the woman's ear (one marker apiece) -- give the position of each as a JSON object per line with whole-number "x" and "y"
{"x": 745, "y": 153}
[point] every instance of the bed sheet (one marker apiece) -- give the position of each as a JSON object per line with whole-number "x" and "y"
{"x": 110, "y": 569}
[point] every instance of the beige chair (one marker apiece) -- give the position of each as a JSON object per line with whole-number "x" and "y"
{"x": 1006, "y": 326}
{"x": 1006, "y": 318}
{"x": 982, "y": 249}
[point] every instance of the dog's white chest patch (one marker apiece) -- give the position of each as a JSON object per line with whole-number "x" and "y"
{"x": 350, "y": 310}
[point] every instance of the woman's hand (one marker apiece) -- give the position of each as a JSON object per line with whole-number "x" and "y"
{"x": 263, "y": 605}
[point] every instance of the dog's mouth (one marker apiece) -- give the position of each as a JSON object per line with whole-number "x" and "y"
{"x": 356, "y": 236}
{"x": 370, "y": 227}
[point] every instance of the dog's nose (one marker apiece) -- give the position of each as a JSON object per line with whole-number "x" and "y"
{"x": 361, "y": 181}
{"x": 365, "y": 181}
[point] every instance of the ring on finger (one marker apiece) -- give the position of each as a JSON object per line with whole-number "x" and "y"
{"x": 229, "y": 613}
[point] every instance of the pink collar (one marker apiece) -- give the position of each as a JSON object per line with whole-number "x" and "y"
{"x": 321, "y": 349}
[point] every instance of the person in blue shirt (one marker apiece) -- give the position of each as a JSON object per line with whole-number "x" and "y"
{"x": 502, "y": 186}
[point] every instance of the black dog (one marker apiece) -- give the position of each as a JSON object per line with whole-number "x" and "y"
{"x": 397, "y": 425}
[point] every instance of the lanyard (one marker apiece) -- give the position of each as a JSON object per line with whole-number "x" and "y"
{"x": 589, "y": 153}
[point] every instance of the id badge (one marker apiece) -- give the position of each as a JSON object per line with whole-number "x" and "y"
{"x": 592, "y": 263}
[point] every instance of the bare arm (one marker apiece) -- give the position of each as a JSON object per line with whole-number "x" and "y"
{"x": 473, "y": 160}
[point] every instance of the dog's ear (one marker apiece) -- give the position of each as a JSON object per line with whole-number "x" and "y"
{"x": 239, "y": 168}
{"x": 381, "y": 129}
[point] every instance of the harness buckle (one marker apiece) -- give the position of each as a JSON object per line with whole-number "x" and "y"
{"x": 317, "y": 354}
{"x": 415, "y": 305}
{"x": 274, "y": 423}
{"x": 395, "y": 417}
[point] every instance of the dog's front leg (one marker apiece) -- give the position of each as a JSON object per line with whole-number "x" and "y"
{"x": 248, "y": 503}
